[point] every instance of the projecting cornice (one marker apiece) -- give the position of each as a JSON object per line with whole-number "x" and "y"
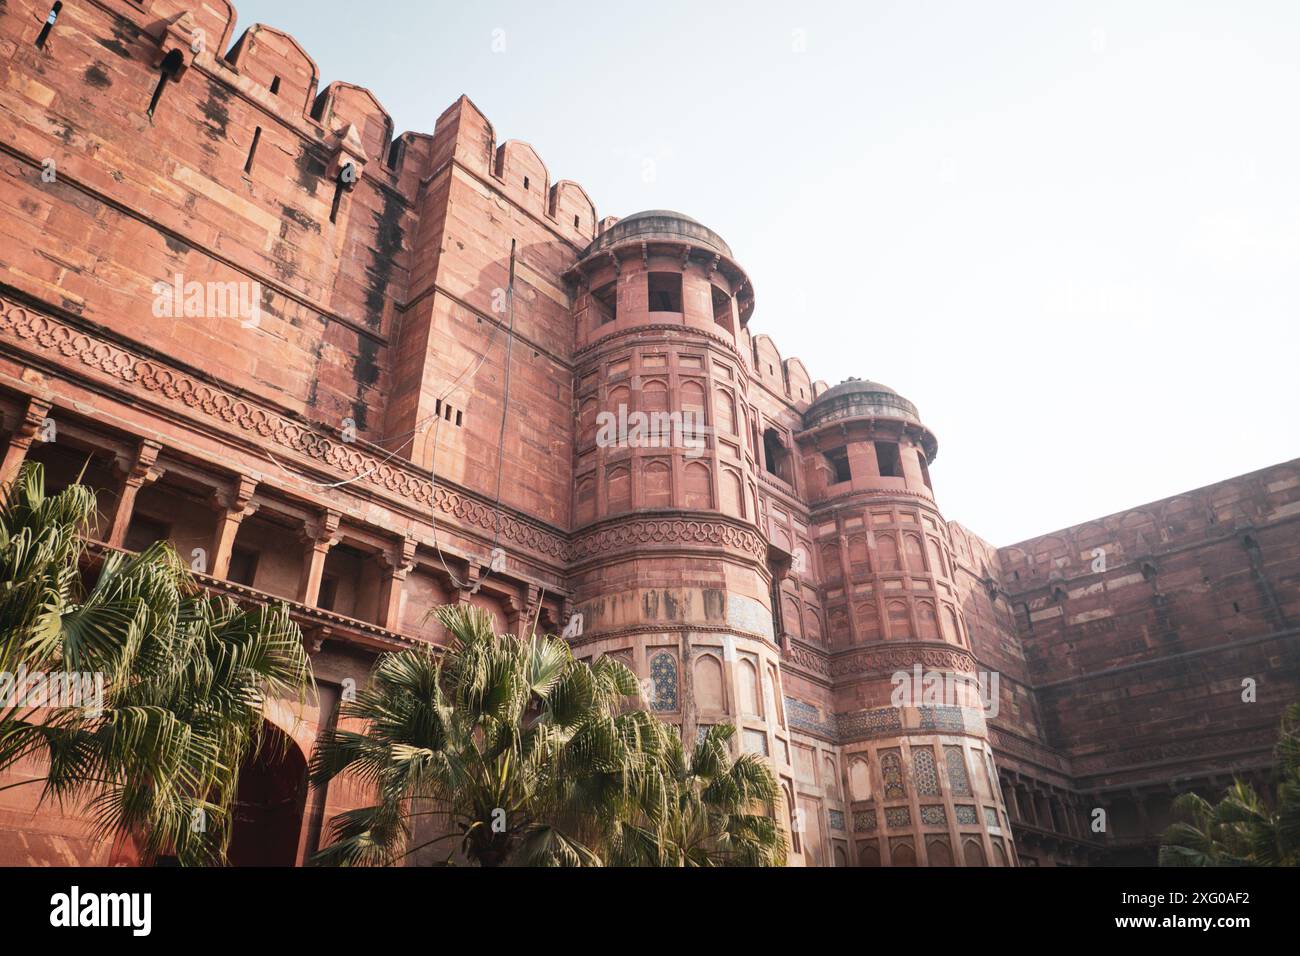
{"x": 298, "y": 441}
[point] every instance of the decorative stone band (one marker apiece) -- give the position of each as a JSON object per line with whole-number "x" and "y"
{"x": 831, "y": 504}
{"x": 1208, "y": 751}
{"x": 805, "y": 657}
{"x": 658, "y": 628}
{"x": 801, "y": 715}
{"x": 1029, "y": 750}
{"x": 879, "y": 660}
{"x": 901, "y": 658}
{"x": 893, "y": 721}
{"x": 396, "y": 476}
{"x": 634, "y": 533}
{"x": 584, "y": 353}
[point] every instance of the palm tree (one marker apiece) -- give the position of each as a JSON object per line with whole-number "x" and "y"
{"x": 184, "y": 677}
{"x": 714, "y": 818}
{"x": 522, "y": 755}
{"x": 1240, "y": 830}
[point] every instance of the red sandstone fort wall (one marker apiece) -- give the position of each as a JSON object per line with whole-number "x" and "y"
{"x": 1140, "y": 668}
{"x": 382, "y": 307}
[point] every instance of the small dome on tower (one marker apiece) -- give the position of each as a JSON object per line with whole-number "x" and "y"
{"x": 660, "y": 214}
{"x": 858, "y": 397}
{"x": 866, "y": 401}
{"x": 659, "y": 224}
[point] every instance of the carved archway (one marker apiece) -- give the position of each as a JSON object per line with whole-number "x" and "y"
{"x": 268, "y": 810}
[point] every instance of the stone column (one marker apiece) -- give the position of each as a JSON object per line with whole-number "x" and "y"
{"x": 319, "y": 536}
{"x": 137, "y": 471}
{"x": 515, "y": 614}
{"x": 233, "y": 504}
{"x": 473, "y": 573}
{"x": 397, "y": 564}
{"x": 531, "y": 610}
{"x": 20, "y": 441}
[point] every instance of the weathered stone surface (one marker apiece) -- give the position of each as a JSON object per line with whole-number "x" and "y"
{"x": 288, "y": 342}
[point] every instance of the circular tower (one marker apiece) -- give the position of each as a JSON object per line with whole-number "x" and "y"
{"x": 909, "y": 699}
{"x": 668, "y": 567}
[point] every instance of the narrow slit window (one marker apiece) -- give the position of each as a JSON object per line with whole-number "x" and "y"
{"x": 665, "y": 289}
{"x": 525, "y": 182}
{"x": 394, "y": 155}
{"x": 50, "y": 20}
{"x": 252, "y": 150}
{"x": 925, "y": 469}
{"x": 275, "y": 86}
{"x": 891, "y": 466}
{"x": 576, "y": 224}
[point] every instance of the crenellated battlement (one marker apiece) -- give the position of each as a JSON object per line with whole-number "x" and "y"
{"x": 786, "y": 377}
{"x": 270, "y": 70}
{"x": 215, "y": 156}
{"x": 369, "y": 373}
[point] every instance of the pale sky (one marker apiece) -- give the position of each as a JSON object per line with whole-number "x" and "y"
{"x": 1069, "y": 232}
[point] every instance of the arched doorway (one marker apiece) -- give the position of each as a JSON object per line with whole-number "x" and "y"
{"x": 267, "y": 815}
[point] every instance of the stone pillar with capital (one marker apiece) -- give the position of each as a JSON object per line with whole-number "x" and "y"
{"x": 319, "y": 535}
{"x": 531, "y": 611}
{"x": 20, "y": 441}
{"x": 137, "y": 470}
{"x": 397, "y": 564}
{"x": 516, "y": 614}
{"x": 473, "y": 574}
{"x": 233, "y": 504}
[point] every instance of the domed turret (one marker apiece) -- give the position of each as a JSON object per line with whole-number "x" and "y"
{"x": 659, "y": 224}
{"x": 859, "y": 397}
{"x": 869, "y": 438}
{"x": 670, "y": 563}
{"x": 657, "y": 267}
{"x": 893, "y": 612}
